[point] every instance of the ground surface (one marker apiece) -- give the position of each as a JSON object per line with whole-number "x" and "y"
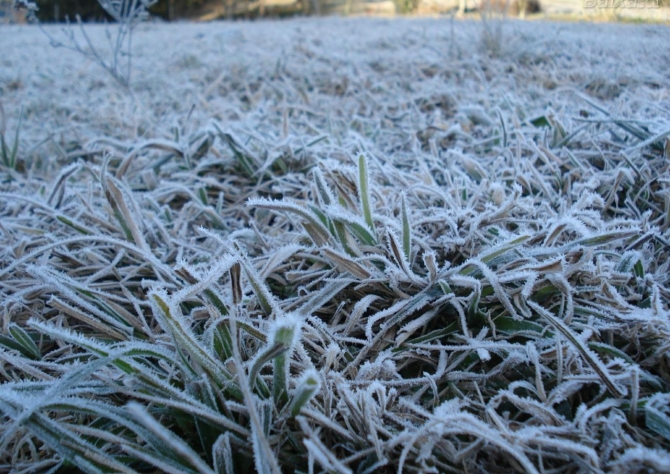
{"x": 487, "y": 290}
{"x": 352, "y": 62}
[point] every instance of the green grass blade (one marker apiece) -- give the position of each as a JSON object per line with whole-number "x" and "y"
{"x": 322, "y": 233}
{"x": 178, "y": 447}
{"x": 262, "y": 292}
{"x": 275, "y": 350}
{"x": 406, "y": 231}
{"x": 168, "y": 313}
{"x": 364, "y": 192}
{"x": 657, "y": 414}
{"x": 15, "y": 145}
{"x": 25, "y": 341}
{"x": 285, "y": 334}
{"x": 597, "y": 366}
{"x": 308, "y": 385}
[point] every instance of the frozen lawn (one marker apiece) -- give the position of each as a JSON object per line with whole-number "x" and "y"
{"x": 351, "y": 245}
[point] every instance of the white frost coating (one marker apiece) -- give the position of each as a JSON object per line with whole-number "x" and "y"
{"x": 216, "y": 271}
{"x": 428, "y": 106}
{"x": 287, "y": 324}
{"x": 174, "y": 443}
{"x": 655, "y": 459}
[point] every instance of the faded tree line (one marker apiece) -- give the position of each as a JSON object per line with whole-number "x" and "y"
{"x": 90, "y": 10}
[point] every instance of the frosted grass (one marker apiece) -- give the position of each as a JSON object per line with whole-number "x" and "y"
{"x": 338, "y": 245}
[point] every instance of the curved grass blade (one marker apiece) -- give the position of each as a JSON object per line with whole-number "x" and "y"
{"x": 598, "y": 367}
{"x": 23, "y": 339}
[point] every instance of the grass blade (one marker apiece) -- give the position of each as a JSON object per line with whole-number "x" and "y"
{"x": 406, "y": 231}
{"x": 592, "y": 359}
{"x": 364, "y": 193}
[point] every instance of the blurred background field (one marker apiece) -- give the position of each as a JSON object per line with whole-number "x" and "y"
{"x": 207, "y": 10}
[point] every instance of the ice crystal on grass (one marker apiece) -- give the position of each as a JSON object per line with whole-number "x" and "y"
{"x": 409, "y": 264}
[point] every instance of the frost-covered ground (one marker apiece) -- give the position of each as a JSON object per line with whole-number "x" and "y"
{"x": 354, "y": 70}
{"x": 444, "y": 246}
